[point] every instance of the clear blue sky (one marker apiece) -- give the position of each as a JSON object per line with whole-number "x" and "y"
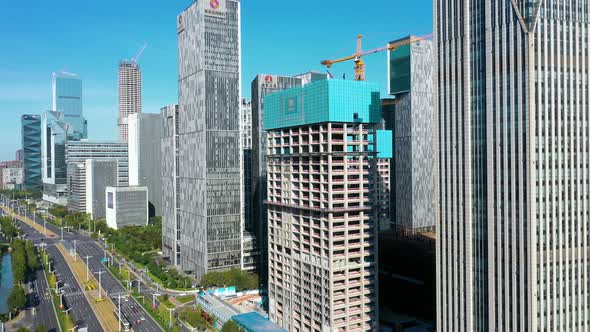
{"x": 90, "y": 37}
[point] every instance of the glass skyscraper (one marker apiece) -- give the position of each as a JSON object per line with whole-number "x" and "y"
{"x": 67, "y": 98}
{"x": 63, "y": 123}
{"x": 31, "y": 147}
{"x": 204, "y": 204}
{"x": 513, "y": 141}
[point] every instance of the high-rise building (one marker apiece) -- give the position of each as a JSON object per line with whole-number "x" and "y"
{"x": 145, "y": 134}
{"x": 100, "y": 174}
{"x": 170, "y": 180}
{"x": 261, "y": 86}
{"x": 19, "y": 154}
{"x": 65, "y": 122}
{"x": 322, "y": 168}
{"x": 67, "y": 99}
{"x": 76, "y": 184}
{"x": 512, "y": 109}
{"x": 208, "y": 198}
{"x": 31, "y": 151}
{"x": 129, "y": 95}
{"x": 412, "y": 120}
{"x": 54, "y": 134}
{"x": 250, "y": 253}
{"x": 78, "y": 151}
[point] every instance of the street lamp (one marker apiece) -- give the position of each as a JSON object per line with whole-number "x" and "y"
{"x": 154, "y": 295}
{"x": 119, "y": 297}
{"x": 100, "y": 284}
{"x": 75, "y": 251}
{"x": 87, "y": 268}
{"x": 61, "y": 299}
{"x": 170, "y": 320}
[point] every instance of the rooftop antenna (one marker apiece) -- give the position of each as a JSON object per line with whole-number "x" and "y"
{"x": 135, "y": 59}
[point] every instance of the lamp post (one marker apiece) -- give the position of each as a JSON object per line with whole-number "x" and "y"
{"x": 87, "y": 268}
{"x": 75, "y": 251}
{"x": 154, "y": 306}
{"x": 100, "y": 284}
{"x": 119, "y": 297}
{"x": 170, "y": 319}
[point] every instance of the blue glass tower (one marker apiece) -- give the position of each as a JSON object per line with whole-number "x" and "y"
{"x": 31, "y": 144}
{"x": 67, "y": 99}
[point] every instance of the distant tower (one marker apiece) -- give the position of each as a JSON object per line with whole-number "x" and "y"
{"x": 129, "y": 94}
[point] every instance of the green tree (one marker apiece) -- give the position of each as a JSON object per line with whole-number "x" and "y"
{"x": 58, "y": 211}
{"x": 194, "y": 317}
{"x": 32, "y": 260}
{"x": 231, "y": 326}
{"x": 41, "y": 328}
{"x": 17, "y": 298}
{"x": 23, "y": 329}
{"x": 19, "y": 261}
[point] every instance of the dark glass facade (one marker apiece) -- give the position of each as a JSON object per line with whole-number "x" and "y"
{"x": 31, "y": 146}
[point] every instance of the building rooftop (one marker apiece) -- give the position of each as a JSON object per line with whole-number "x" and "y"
{"x": 255, "y": 322}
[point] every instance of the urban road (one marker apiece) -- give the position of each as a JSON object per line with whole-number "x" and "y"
{"x": 42, "y": 311}
{"x": 73, "y": 297}
{"x": 135, "y": 314}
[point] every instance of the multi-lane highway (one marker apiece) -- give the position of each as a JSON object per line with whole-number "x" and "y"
{"x": 82, "y": 313}
{"x": 138, "y": 318}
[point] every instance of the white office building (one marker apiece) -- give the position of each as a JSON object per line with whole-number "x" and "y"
{"x": 144, "y": 136}
{"x": 126, "y": 206}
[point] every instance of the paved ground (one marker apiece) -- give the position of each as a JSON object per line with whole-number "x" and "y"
{"x": 81, "y": 312}
{"x": 131, "y": 310}
{"x": 40, "y": 310}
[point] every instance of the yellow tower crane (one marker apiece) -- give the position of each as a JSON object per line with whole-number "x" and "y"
{"x": 357, "y": 57}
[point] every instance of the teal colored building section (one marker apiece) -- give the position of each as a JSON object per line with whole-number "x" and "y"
{"x": 384, "y": 144}
{"x": 400, "y": 67}
{"x": 323, "y": 101}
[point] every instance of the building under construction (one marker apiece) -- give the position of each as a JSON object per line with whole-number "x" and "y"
{"x": 129, "y": 94}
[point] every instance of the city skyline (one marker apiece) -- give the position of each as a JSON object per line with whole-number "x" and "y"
{"x": 25, "y": 82}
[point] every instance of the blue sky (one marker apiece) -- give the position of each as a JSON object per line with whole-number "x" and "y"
{"x": 90, "y": 37}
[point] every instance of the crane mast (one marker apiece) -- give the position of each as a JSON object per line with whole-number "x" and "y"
{"x": 357, "y": 57}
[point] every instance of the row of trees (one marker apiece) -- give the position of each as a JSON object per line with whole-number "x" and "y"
{"x": 58, "y": 211}
{"x": 24, "y": 259}
{"x": 140, "y": 244}
{"x": 236, "y": 277}
{"x": 7, "y": 228}
{"x": 21, "y": 194}
{"x": 24, "y": 263}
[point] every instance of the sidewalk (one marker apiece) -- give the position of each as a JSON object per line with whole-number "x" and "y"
{"x": 104, "y": 310}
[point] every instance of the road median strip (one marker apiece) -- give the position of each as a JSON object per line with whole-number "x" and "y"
{"x": 103, "y": 307}
{"x": 30, "y": 222}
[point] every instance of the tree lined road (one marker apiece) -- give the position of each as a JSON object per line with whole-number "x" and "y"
{"x": 139, "y": 319}
{"x": 81, "y": 312}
